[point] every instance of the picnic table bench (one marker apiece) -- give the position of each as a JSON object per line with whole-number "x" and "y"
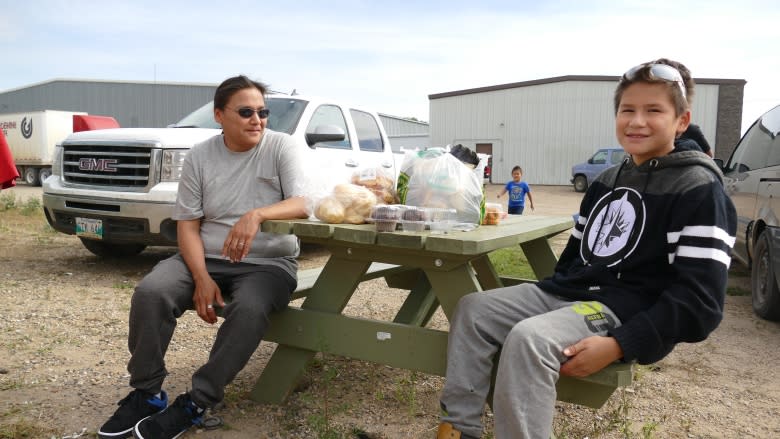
{"x": 436, "y": 269}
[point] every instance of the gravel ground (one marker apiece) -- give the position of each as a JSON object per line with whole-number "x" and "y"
{"x": 63, "y": 354}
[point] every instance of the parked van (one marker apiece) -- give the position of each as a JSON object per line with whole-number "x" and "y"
{"x": 584, "y": 173}
{"x": 753, "y": 182}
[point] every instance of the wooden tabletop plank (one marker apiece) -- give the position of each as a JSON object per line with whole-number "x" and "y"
{"x": 511, "y": 231}
{"x": 359, "y": 234}
{"x": 411, "y": 240}
{"x": 314, "y": 229}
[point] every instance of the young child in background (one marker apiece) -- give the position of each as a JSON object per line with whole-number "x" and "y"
{"x": 517, "y": 189}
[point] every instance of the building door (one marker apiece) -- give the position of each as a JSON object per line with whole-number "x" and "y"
{"x": 487, "y": 148}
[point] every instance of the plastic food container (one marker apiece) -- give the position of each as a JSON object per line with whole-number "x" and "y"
{"x": 413, "y": 218}
{"x": 385, "y": 217}
{"x": 441, "y": 220}
{"x": 493, "y": 214}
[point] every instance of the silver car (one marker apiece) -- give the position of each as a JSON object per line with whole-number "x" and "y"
{"x": 753, "y": 182}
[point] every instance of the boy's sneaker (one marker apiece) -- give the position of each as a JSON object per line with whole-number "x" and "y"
{"x": 171, "y": 422}
{"x": 135, "y": 406}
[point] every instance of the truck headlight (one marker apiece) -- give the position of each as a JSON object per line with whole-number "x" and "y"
{"x": 56, "y": 165}
{"x": 173, "y": 160}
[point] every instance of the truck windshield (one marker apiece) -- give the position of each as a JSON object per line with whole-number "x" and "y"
{"x": 285, "y": 113}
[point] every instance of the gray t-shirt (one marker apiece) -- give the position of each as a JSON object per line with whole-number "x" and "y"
{"x": 220, "y": 185}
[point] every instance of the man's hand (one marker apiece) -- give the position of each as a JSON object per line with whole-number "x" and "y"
{"x": 590, "y": 355}
{"x": 206, "y": 296}
{"x": 239, "y": 240}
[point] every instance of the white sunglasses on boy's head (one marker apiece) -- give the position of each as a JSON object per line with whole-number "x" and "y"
{"x": 664, "y": 72}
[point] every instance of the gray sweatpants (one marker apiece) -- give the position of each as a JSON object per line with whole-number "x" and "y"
{"x": 531, "y": 328}
{"x": 166, "y": 292}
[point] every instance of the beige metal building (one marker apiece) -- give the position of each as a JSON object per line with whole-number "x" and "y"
{"x": 406, "y": 133}
{"x": 546, "y": 126}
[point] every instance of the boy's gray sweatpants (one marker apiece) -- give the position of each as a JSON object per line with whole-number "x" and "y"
{"x": 166, "y": 292}
{"x": 531, "y": 328}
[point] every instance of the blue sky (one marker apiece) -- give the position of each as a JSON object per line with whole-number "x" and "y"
{"x": 388, "y": 56}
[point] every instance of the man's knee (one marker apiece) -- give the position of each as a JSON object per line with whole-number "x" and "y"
{"x": 163, "y": 285}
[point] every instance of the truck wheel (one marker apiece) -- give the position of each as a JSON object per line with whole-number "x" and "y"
{"x": 44, "y": 174}
{"x": 766, "y": 295}
{"x": 111, "y": 249}
{"x": 31, "y": 177}
{"x": 580, "y": 183}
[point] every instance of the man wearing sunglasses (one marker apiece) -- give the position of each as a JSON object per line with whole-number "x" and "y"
{"x": 230, "y": 184}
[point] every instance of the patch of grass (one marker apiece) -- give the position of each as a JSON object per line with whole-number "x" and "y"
{"x": 640, "y": 370}
{"x": 511, "y": 261}
{"x": 7, "y": 201}
{"x": 124, "y": 285}
{"x": 406, "y": 392}
{"x": 23, "y": 429}
{"x": 31, "y": 207}
{"x": 10, "y": 385}
{"x": 321, "y": 422}
{"x": 614, "y": 418}
{"x": 737, "y": 291}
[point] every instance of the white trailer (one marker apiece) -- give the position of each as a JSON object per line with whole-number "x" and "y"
{"x": 32, "y": 137}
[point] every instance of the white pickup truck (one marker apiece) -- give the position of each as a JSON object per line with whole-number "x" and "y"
{"x": 116, "y": 188}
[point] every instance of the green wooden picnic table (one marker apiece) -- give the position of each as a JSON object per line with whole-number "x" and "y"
{"x": 436, "y": 269}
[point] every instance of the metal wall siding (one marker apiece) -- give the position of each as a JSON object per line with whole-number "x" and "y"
{"x": 395, "y": 126}
{"x": 131, "y": 104}
{"x": 544, "y": 128}
{"x": 705, "y": 110}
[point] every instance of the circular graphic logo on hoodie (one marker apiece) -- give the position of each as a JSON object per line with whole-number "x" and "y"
{"x": 614, "y": 227}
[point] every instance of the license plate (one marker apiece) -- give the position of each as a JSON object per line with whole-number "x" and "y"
{"x": 89, "y": 228}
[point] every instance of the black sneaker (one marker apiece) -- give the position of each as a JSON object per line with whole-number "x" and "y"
{"x": 135, "y": 406}
{"x": 171, "y": 422}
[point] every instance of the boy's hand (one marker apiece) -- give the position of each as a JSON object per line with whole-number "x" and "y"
{"x": 590, "y": 355}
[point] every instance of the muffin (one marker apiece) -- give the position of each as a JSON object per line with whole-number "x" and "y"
{"x": 385, "y": 217}
{"x": 413, "y": 219}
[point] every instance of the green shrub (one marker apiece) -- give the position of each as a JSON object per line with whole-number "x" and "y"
{"x": 7, "y": 201}
{"x": 31, "y": 207}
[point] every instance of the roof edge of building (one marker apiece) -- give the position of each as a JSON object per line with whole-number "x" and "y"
{"x": 108, "y": 81}
{"x": 405, "y": 119}
{"x": 566, "y": 78}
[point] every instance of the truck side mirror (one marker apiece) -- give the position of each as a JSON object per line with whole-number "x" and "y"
{"x": 325, "y": 133}
{"x": 718, "y": 163}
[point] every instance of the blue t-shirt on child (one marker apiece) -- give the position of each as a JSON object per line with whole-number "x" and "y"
{"x": 517, "y": 193}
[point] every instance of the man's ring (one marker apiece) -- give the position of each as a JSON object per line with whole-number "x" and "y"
{"x": 240, "y": 244}
{"x": 210, "y": 306}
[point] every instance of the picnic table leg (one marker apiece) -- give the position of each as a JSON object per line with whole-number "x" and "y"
{"x": 330, "y": 293}
{"x": 540, "y": 257}
{"x": 419, "y": 306}
{"x": 450, "y": 286}
{"x": 486, "y": 273}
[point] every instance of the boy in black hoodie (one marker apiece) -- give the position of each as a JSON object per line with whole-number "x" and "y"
{"x": 644, "y": 269}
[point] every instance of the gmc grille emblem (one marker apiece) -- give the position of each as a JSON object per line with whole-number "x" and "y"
{"x": 102, "y": 165}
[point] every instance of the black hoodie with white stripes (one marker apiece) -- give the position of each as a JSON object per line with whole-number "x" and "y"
{"x": 653, "y": 243}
